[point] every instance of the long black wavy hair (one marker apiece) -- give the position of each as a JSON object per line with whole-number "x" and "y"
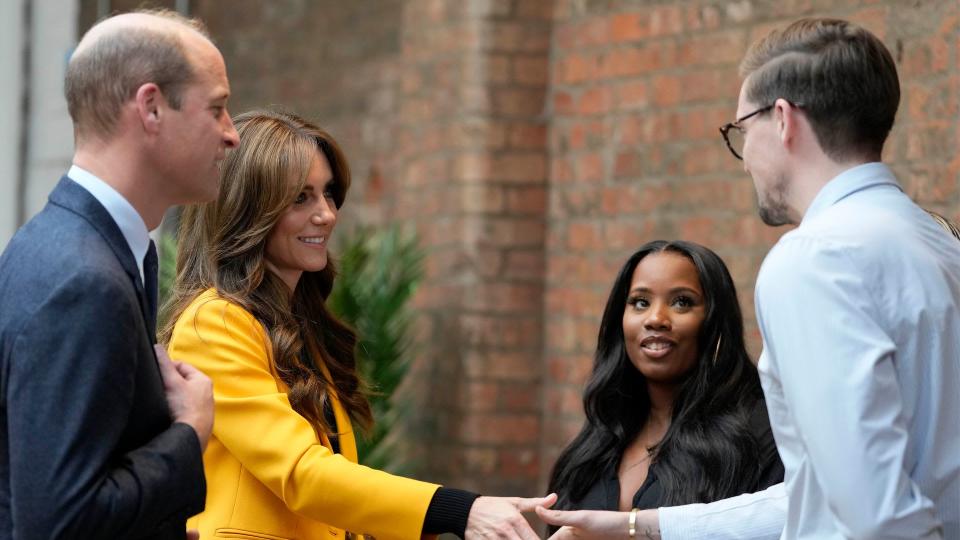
{"x": 708, "y": 452}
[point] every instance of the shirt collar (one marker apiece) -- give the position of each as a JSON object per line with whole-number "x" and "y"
{"x": 848, "y": 182}
{"x": 126, "y": 217}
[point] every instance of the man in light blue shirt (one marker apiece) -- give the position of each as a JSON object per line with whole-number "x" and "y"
{"x": 859, "y": 309}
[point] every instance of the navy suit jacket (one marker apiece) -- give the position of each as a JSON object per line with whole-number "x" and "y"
{"x": 87, "y": 446}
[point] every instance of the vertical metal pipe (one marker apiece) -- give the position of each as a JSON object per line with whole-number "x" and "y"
{"x": 25, "y": 88}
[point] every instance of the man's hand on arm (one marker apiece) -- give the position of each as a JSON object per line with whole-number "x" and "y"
{"x": 501, "y": 517}
{"x": 189, "y": 395}
{"x": 600, "y": 524}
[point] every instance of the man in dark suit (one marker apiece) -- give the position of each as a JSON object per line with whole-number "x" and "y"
{"x": 96, "y": 439}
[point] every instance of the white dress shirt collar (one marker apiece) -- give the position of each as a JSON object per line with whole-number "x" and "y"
{"x": 848, "y": 182}
{"x": 126, "y": 217}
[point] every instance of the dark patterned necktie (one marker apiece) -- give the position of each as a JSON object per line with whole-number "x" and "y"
{"x": 150, "y": 269}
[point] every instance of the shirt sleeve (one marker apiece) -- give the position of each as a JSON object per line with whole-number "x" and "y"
{"x": 751, "y": 516}
{"x": 824, "y": 336}
{"x": 257, "y": 425}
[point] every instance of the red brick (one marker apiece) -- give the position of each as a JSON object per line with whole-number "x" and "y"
{"x": 484, "y": 198}
{"x": 586, "y": 133}
{"x": 436, "y": 296}
{"x": 445, "y": 262}
{"x": 563, "y": 370}
{"x": 589, "y": 167}
{"x": 925, "y": 57}
{"x": 706, "y": 157}
{"x": 519, "y": 397}
{"x": 577, "y": 68}
{"x": 633, "y": 61}
{"x": 594, "y": 101}
{"x": 560, "y": 336}
{"x": 489, "y": 8}
{"x": 503, "y": 297}
{"x": 574, "y": 202}
{"x": 584, "y": 236}
{"x": 666, "y": 90}
{"x": 520, "y": 464}
{"x": 563, "y": 103}
{"x": 561, "y": 170}
{"x": 702, "y": 17}
{"x": 570, "y": 399}
{"x": 626, "y": 237}
{"x": 487, "y": 263}
{"x": 629, "y": 27}
{"x": 527, "y": 200}
{"x": 873, "y": 19}
{"x": 482, "y": 461}
{"x": 520, "y": 167}
{"x": 632, "y": 95}
{"x": 517, "y": 331}
{"x": 534, "y": 9}
{"x": 524, "y": 265}
{"x": 722, "y": 48}
{"x": 528, "y": 136}
{"x": 479, "y": 396}
{"x": 513, "y": 366}
{"x": 637, "y": 163}
{"x": 666, "y": 20}
{"x": 586, "y": 33}
{"x": 531, "y": 70}
{"x": 518, "y": 102}
{"x": 500, "y": 429}
{"x": 521, "y": 232}
{"x": 495, "y": 69}
{"x": 472, "y": 167}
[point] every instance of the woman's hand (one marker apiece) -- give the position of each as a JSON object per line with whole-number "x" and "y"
{"x": 502, "y": 517}
{"x": 600, "y": 524}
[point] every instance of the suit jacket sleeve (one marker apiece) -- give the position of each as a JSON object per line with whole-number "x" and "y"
{"x": 256, "y": 423}
{"x": 70, "y": 391}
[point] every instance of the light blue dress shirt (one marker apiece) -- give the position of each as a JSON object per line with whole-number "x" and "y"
{"x": 126, "y": 217}
{"x": 859, "y": 309}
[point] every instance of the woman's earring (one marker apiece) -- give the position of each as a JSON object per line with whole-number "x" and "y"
{"x": 716, "y": 352}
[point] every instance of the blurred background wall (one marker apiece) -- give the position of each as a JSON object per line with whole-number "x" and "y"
{"x": 532, "y": 144}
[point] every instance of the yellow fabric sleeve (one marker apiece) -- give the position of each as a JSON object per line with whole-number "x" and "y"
{"x": 256, "y": 424}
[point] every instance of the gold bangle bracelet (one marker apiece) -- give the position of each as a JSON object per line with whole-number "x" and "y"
{"x": 632, "y": 524}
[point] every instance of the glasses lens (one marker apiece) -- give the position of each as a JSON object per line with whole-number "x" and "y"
{"x": 735, "y": 136}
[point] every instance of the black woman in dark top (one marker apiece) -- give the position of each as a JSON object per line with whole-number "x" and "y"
{"x": 674, "y": 409}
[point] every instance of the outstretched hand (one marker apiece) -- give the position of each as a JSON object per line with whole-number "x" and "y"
{"x": 502, "y": 517}
{"x": 600, "y": 524}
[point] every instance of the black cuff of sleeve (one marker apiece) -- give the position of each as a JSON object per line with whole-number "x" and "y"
{"x": 448, "y": 511}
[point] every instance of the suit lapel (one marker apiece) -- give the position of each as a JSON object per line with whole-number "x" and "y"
{"x": 70, "y": 195}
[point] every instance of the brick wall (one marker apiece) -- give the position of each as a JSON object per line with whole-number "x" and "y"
{"x": 471, "y": 177}
{"x": 534, "y": 144}
{"x": 637, "y": 91}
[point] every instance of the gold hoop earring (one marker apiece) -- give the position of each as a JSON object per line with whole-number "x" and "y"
{"x": 716, "y": 352}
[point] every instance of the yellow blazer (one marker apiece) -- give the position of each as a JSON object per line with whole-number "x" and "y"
{"x": 268, "y": 475}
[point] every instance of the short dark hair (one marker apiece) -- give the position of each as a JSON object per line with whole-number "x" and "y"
{"x": 842, "y": 75}
{"x": 104, "y": 76}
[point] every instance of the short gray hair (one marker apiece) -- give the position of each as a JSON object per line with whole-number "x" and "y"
{"x": 105, "y": 75}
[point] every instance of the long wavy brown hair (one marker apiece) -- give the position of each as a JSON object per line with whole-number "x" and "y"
{"x": 222, "y": 244}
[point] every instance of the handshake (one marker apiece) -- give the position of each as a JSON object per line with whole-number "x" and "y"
{"x": 499, "y": 517}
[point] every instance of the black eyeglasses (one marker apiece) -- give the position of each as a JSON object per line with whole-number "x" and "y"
{"x": 733, "y": 133}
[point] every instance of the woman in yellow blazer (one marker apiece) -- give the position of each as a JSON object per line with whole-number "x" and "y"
{"x": 248, "y": 310}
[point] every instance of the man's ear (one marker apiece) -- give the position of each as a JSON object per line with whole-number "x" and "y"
{"x": 787, "y": 116}
{"x": 150, "y": 105}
